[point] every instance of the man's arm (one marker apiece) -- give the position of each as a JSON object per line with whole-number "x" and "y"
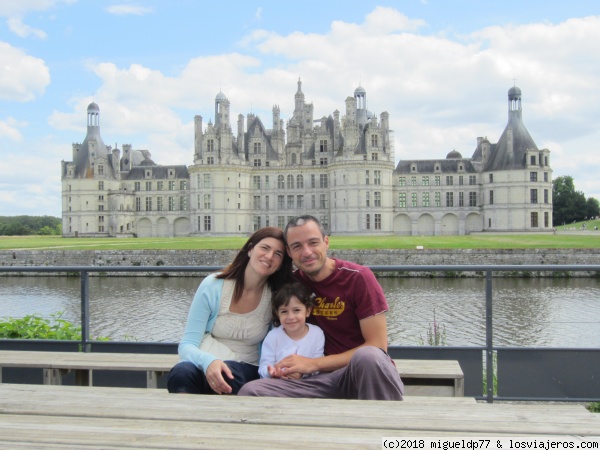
{"x": 374, "y": 331}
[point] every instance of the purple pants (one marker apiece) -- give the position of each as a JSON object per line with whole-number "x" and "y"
{"x": 370, "y": 375}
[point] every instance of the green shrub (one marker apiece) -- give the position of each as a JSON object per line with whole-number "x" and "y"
{"x": 34, "y": 326}
{"x": 594, "y": 407}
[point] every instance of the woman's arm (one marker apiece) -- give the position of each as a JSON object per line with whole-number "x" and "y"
{"x": 201, "y": 317}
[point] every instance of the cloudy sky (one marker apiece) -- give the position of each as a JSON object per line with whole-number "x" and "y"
{"x": 441, "y": 68}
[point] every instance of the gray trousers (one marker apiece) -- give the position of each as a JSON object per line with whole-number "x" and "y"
{"x": 370, "y": 375}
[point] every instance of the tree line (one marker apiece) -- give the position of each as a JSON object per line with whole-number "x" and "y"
{"x": 570, "y": 205}
{"x": 30, "y": 225}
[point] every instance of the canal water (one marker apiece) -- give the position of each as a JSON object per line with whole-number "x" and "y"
{"x": 532, "y": 312}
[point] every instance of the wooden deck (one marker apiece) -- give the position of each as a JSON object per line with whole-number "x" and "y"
{"x": 46, "y": 416}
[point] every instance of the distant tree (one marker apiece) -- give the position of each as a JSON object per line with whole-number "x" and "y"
{"x": 27, "y": 225}
{"x": 592, "y": 208}
{"x": 568, "y": 205}
{"x": 46, "y": 231}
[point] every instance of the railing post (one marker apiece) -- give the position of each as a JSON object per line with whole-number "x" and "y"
{"x": 85, "y": 311}
{"x": 489, "y": 340}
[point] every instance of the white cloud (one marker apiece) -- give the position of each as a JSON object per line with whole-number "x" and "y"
{"x": 22, "y": 30}
{"x": 22, "y": 77}
{"x": 125, "y": 9}
{"x": 9, "y": 129}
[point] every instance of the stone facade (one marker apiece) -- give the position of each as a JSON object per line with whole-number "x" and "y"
{"x": 339, "y": 168}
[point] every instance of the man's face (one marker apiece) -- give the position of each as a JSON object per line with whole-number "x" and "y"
{"x": 308, "y": 249}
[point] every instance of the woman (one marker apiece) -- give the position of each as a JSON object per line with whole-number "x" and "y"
{"x": 229, "y": 317}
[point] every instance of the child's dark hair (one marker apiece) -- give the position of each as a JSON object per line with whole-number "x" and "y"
{"x": 285, "y": 293}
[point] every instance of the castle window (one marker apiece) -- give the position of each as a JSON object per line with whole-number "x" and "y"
{"x": 534, "y": 220}
{"x": 402, "y": 181}
{"x": 159, "y": 185}
{"x": 491, "y": 197}
{"x": 183, "y": 185}
{"x": 461, "y": 180}
{"x": 148, "y": 185}
{"x": 413, "y": 181}
{"x": 323, "y": 161}
{"x": 210, "y": 145}
{"x": 425, "y": 181}
{"x": 472, "y": 198}
{"x": 368, "y": 222}
{"x": 256, "y": 202}
{"x": 472, "y": 180}
{"x": 100, "y": 169}
{"x": 438, "y": 180}
{"x": 280, "y": 182}
{"x": 532, "y": 176}
{"x": 171, "y": 185}
{"x": 449, "y": 199}
{"x": 207, "y": 201}
{"x": 461, "y": 199}
{"x": 367, "y": 177}
{"x": 256, "y": 182}
{"x": 294, "y": 158}
{"x": 207, "y": 223}
{"x": 413, "y": 200}
{"x": 290, "y": 181}
{"x": 257, "y": 148}
{"x": 449, "y": 180}
{"x": 210, "y": 160}
{"x": 323, "y": 180}
{"x": 159, "y": 204}
{"x": 546, "y": 196}
{"x": 377, "y": 177}
{"x": 374, "y": 156}
{"x": 323, "y": 146}
{"x": 207, "y": 180}
{"x": 148, "y": 203}
{"x": 491, "y": 177}
{"x": 280, "y": 202}
{"x": 546, "y": 219}
{"x": 138, "y": 204}
{"x": 323, "y": 201}
{"x": 171, "y": 203}
{"x": 101, "y": 185}
{"x": 532, "y": 159}
{"x": 533, "y": 195}
{"x": 378, "y": 221}
{"x": 368, "y": 199}
{"x": 300, "y": 201}
{"x": 300, "y": 182}
{"x": 257, "y": 163}
{"x": 183, "y": 203}
{"x": 402, "y": 200}
{"x": 425, "y": 199}
{"x": 377, "y": 198}
{"x": 438, "y": 199}
{"x": 290, "y": 202}
{"x": 256, "y": 223}
{"x": 374, "y": 140}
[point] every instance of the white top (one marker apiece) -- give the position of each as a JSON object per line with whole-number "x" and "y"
{"x": 242, "y": 333}
{"x": 277, "y": 345}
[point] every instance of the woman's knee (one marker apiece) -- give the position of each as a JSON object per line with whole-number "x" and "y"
{"x": 184, "y": 377}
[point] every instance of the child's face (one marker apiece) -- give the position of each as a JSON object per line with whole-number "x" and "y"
{"x": 293, "y": 315}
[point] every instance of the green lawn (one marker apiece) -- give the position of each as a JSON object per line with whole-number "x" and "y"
{"x": 493, "y": 241}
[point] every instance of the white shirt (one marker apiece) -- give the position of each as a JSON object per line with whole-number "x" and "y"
{"x": 277, "y": 345}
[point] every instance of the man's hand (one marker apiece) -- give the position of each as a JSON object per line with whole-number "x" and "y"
{"x": 294, "y": 366}
{"x": 214, "y": 376}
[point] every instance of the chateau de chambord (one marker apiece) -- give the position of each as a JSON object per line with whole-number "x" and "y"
{"x": 340, "y": 168}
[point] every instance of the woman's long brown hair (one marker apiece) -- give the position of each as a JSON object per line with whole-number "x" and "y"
{"x": 235, "y": 270}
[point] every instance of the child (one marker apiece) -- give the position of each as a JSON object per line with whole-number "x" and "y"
{"x": 292, "y": 304}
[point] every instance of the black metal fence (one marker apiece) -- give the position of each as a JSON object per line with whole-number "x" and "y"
{"x": 549, "y": 374}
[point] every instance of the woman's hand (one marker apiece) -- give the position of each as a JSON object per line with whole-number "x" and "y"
{"x": 214, "y": 376}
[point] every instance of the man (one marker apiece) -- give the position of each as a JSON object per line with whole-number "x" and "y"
{"x": 350, "y": 308}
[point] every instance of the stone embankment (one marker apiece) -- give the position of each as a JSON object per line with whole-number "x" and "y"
{"x": 384, "y": 257}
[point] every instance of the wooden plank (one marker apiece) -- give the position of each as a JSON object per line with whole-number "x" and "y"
{"x": 119, "y": 403}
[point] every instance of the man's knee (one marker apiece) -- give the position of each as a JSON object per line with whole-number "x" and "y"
{"x": 250, "y": 389}
{"x": 182, "y": 378}
{"x": 369, "y": 356}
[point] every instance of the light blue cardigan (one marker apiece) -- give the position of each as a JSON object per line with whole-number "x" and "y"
{"x": 201, "y": 319}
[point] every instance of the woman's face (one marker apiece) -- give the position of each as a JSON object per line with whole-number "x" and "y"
{"x": 266, "y": 256}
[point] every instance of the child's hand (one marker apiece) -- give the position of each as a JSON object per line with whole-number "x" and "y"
{"x": 273, "y": 372}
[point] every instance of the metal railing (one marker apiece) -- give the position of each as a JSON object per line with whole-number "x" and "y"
{"x": 486, "y": 271}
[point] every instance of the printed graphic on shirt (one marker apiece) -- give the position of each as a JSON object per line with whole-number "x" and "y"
{"x": 328, "y": 309}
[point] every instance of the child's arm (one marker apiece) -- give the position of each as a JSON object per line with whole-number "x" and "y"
{"x": 267, "y": 354}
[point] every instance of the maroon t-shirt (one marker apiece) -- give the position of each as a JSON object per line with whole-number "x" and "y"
{"x": 351, "y": 293}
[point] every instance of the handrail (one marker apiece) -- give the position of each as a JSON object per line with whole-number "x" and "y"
{"x": 487, "y": 271}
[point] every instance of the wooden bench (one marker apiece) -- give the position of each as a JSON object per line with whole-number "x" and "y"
{"x": 421, "y": 377}
{"x": 38, "y": 416}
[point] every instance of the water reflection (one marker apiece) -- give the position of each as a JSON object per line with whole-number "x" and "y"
{"x": 536, "y": 312}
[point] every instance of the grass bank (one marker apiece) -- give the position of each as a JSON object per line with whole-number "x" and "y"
{"x": 478, "y": 241}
